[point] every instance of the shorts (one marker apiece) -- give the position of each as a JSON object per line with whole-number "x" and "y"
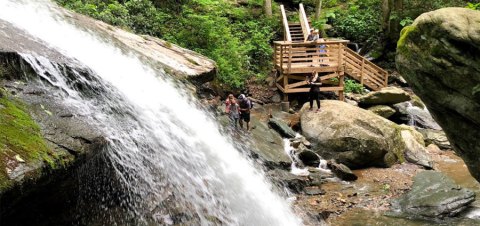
{"x": 245, "y": 117}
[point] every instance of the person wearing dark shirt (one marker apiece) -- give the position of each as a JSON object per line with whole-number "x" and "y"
{"x": 314, "y": 93}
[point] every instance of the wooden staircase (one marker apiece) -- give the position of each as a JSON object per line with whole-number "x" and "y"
{"x": 364, "y": 71}
{"x": 296, "y": 32}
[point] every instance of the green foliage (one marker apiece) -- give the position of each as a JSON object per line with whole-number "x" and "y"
{"x": 474, "y": 6}
{"x": 352, "y": 86}
{"x": 406, "y": 21}
{"x": 360, "y": 22}
{"x": 237, "y": 38}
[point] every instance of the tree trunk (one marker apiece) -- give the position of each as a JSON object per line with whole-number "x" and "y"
{"x": 318, "y": 9}
{"x": 386, "y": 10}
{"x": 267, "y": 7}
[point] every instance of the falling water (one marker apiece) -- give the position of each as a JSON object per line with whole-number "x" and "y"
{"x": 167, "y": 155}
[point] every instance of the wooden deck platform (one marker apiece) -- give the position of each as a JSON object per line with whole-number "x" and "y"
{"x": 294, "y": 59}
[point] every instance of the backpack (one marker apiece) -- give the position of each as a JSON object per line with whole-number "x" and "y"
{"x": 245, "y": 102}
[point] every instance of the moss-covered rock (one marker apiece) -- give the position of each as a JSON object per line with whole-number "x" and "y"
{"x": 23, "y": 151}
{"x": 439, "y": 56}
{"x": 382, "y": 110}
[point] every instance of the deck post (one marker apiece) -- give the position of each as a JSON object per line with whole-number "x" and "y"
{"x": 341, "y": 72}
{"x": 361, "y": 71}
{"x": 285, "y": 87}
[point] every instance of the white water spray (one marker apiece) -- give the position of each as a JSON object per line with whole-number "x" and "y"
{"x": 171, "y": 147}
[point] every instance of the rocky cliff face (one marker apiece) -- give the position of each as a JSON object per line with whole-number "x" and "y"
{"x": 439, "y": 56}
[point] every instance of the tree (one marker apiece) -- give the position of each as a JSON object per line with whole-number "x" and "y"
{"x": 267, "y": 7}
{"x": 318, "y": 9}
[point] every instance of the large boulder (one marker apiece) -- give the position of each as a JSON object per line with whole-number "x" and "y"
{"x": 433, "y": 195}
{"x": 415, "y": 151}
{"x": 352, "y": 136}
{"x": 385, "y": 96}
{"x": 439, "y": 57}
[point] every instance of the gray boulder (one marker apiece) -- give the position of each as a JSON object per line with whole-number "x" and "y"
{"x": 385, "y": 96}
{"x": 282, "y": 128}
{"x": 409, "y": 114}
{"x": 309, "y": 158}
{"x": 436, "y": 137}
{"x": 433, "y": 195}
{"x": 439, "y": 57}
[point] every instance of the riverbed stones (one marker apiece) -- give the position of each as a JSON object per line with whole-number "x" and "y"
{"x": 382, "y": 110}
{"x": 352, "y": 136}
{"x": 438, "y": 55}
{"x": 385, "y": 96}
{"x": 433, "y": 195}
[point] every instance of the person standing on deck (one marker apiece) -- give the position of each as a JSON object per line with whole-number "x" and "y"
{"x": 313, "y": 36}
{"x": 245, "y": 106}
{"x": 232, "y": 109}
{"x": 314, "y": 93}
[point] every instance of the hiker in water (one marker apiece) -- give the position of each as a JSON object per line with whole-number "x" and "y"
{"x": 314, "y": 93}
{"x": 232, "y": 109}
{"x": 245, "y": 106}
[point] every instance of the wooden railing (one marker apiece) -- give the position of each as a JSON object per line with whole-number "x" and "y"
{"x": 365, "y": 71}
{"x": 296, "y": 58}
{"x": 286, "y": 28}
{"x": 304, "y": 22}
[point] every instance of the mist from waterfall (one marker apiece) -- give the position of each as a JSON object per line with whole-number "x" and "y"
{"x": 168, "y": 155}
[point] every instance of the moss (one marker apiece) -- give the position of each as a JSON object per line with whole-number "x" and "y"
{"x": 406, "y": 31}
{"x": 19, "y": 135}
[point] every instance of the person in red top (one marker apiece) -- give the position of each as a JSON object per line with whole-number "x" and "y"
{"x": 233, "y": 110}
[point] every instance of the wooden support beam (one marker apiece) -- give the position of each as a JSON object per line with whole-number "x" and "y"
{"x": 280, "y": 78}
{"x": 297, "y": 84}
{"x": 280, "y": 88}
{"x": 323, "y": 89}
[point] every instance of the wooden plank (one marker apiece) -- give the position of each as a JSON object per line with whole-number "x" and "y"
{"x": 329, "y": 76}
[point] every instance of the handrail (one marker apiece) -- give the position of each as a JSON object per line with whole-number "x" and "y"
{"x": 358, "y": 56}
{"x": 326, "y": 42}
{"x": 304, "y": 22}
{"x": 368, "y": 70}
{"x": 285, "y": 24}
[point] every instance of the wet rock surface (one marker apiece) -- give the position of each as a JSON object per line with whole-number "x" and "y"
{"x": 282, "y": 128}
{"x": 438, "y": 56}
{"x": 433, "y": 195}
{"x": 341, "y": 171}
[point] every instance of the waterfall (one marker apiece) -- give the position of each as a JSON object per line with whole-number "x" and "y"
{"x": 171, "y": 162}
